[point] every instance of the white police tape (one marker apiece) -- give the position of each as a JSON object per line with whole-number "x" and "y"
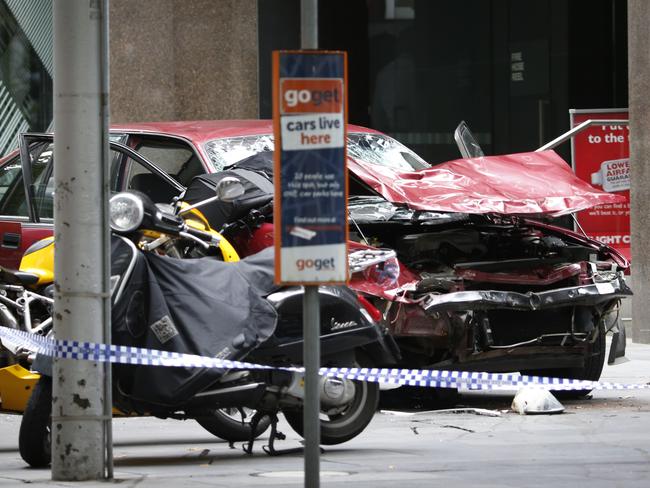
{"x": 90, "y": 351}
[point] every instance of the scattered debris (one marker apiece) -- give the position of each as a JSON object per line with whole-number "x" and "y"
{"x": 415, "y": 430}
{"x": 534, "y": 401}
{"x": 475, "y": 411}
{"x": 457, "y": 427}
{"x": 397, "y": 413}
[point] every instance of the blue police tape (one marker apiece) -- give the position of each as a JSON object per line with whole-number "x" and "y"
{"x": 90, "y": 351}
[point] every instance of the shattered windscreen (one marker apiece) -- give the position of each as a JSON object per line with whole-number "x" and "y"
{"x": 535, "y": 183}
{"x": 227, "y": 151}
{"x": 370, "y": 148}
{"x": 385, "y": 151}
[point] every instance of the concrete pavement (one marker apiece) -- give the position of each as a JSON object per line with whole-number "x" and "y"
{"x": 600, "y": 442}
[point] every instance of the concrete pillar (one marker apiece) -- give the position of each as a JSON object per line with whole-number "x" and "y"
{"x": 639, "y": 87}
{"x": 183, "y": 59}
{"x": 80, "y": 408}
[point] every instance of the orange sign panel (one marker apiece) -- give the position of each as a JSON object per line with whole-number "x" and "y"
{"x": 311, "y": 95}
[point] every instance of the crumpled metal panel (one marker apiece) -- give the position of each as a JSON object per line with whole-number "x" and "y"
{"x": 404, "y": 280}
{"x": 524, "y": 183}
{"x": 561, "y": 297}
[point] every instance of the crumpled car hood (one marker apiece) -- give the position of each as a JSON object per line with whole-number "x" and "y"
{"x": 524, "y": 183}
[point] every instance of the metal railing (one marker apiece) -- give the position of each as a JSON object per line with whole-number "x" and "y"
{"x": 579, "y": 128}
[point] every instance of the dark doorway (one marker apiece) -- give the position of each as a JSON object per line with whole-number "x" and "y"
{"x": 510, "y": 69}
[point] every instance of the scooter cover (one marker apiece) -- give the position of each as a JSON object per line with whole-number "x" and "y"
{"x": 195, "y": 306}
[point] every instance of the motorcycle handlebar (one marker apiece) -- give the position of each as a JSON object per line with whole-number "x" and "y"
{"x": 204, "y": 236}
{"x": 266, "y": 209}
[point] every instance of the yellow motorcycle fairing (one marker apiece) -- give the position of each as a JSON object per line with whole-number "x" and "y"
{"x": 39, "y": 260}
{"x": 39, "y": 257}
{"x": 195, "y": 219}
{"x": 16, "y": 385}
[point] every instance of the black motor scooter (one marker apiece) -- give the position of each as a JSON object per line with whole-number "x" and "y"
{"x": 230, "y": 311}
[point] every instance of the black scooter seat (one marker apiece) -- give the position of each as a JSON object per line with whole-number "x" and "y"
{"x": 12, "y": 277}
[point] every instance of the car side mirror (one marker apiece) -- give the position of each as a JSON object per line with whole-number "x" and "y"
{"x": 229, "y": 189}
{"x": 466, "y": 142}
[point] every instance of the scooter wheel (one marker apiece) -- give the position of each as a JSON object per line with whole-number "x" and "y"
{"x": 34, "y": 437}
{"x": 223, "y": 423}
{"x": 346, "y": 425}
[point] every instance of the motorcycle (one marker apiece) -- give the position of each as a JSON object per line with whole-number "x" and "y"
{"x": 170, "y": 304}
{"x": 26, "y": 294}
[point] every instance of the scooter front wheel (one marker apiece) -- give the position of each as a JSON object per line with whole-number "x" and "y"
{"x": 34, "y": 438}
{"x": 233, "y": 424}
{"x": 347, "y": 423}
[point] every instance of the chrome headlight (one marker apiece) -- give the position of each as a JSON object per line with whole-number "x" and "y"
{"x": 126, "y": 212}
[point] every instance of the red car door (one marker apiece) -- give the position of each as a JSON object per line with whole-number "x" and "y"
{"x": 20, "y": 226}
{"x": 27, "y": 190}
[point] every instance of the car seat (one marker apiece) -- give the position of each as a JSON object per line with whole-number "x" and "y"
{"x": 154, "y": 187}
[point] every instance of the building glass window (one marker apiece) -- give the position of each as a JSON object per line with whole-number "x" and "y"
{"x": 25, "y": 69}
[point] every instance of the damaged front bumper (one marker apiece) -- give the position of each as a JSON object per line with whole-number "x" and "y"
{"x": 582, "y": 295}
{"x": 591, "y": 294}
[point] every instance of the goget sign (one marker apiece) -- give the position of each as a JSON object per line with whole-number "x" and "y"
{"x": 310, "y": 175}
{"x": 601, "y": 157}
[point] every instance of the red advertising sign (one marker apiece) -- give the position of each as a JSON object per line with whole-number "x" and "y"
{"x": 601, "y": 157}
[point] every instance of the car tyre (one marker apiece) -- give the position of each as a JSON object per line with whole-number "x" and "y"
{"x": 419, "y": 397}
{"x": 34, "y": 438}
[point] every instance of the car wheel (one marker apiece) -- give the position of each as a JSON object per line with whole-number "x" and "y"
{"x": 419, "y": 397}
{"x": 233, "y": 424}
{"x": 34, "y": 437}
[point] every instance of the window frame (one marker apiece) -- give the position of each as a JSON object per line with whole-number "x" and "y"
{"x": 16, "y": 184}
{"x": 27, "y": 175}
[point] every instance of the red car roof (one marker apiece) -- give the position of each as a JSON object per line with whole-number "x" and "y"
{"x": 200, "y": 131}
{"x": 526, "y": 183}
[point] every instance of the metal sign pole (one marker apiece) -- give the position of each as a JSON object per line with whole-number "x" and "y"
{"x": 311, "y": 306}
{"x": 311, "y": 413}
{"x": 309, "y": 24}
{"x": 80, "y": 407}
{"x": 310, "y": 214}
{"x": 106, "y": 192}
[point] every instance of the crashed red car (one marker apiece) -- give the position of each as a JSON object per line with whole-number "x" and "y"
{"x": 469, "y": 275}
